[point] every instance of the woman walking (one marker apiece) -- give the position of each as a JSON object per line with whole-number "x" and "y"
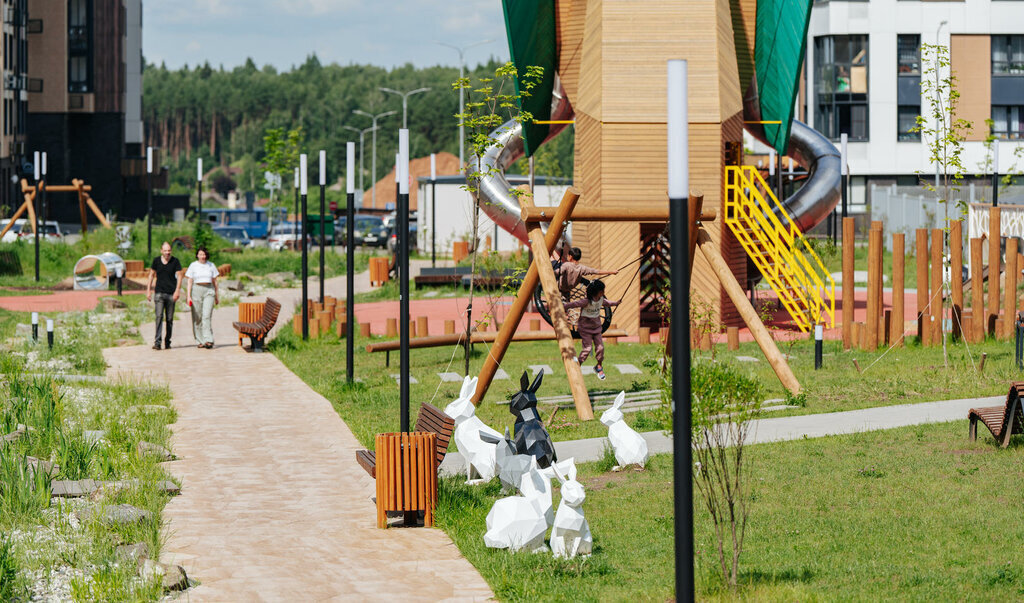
{"x": 202, "y": 297}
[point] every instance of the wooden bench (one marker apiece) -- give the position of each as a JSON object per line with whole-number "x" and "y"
{"x": 441, "y": 276}
{"x": 257, "y": 331}
{"x": 1003, "y": 421}
{"x": 431, "y": 419}
{"x": 248, "y": 312}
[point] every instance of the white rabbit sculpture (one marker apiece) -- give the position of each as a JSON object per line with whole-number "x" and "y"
{"x": 570, "y": 535}
{"x": 629, "y": 446}
{"x": 519, "y": 522}
{"x": 510, "y": 467}
{"x": 478, "y": 453}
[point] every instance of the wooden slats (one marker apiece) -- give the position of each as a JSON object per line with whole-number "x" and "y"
{"x": 407, "y": 474}
{"x": 1003, "y": 421}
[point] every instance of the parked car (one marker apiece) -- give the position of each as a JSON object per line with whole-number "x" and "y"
{"x": 11, "y": 235}
{"x": 236, "y": 234}
{"x": 393, "y": 236}
{"x": 285, "y": 236}
{"x": 370, "y": 231}
{"x": 49, "y": 231}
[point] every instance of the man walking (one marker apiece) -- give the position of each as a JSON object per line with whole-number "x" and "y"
{"x": 166, "y": 270}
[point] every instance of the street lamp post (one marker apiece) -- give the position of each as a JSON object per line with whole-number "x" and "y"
{"x": 462, "y": 93}
{"x": 405, "y": 101}
{"x": 35, "y": 213}
{"x": 350, "y": 254}
{"x": 362, "y": 133}
{"x": 149, "y": 202}
{"x": 373, "y": 161}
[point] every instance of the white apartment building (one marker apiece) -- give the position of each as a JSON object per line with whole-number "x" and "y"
{"x": 862, "y": 78}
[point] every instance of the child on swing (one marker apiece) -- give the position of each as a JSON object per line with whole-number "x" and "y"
{"x": 570, "y": 271}
{"x": 590, "y": 323}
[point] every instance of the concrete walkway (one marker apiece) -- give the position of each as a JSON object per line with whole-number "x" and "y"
{"x": 273, "y": 505}
{"x": 782, "y": 429}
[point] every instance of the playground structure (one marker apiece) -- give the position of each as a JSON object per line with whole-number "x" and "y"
{"x": 603, "y": 62}
{"x": 93, "y": 272}
{"x": 77, "y": 186}
{"x": 540, "y": 270}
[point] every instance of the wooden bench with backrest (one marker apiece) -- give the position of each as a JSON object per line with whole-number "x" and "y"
{"x": 257, "y": 331}
{"x": 432, "y": 419}
{"x": 1003, "y": 421}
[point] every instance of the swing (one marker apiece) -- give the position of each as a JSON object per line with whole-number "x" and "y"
{"x": 578, "y": 292}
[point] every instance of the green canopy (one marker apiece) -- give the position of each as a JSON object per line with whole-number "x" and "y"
{"x": 781, "y": 34}
{"x": 530, "y": 25}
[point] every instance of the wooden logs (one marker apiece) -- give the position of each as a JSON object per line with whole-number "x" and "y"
{"x": 921, "y": 252}
{"x": 645, "y": 335}
{"x": 936, "y": 286}
{"x": 422, "y": 329}
{"x": 364, "y": 329}
{"x": 640, "y": 212}
{"x": 848, "y": 284}
{"x": 994, "y": 268}
{"x": 534, "y": 324}
{"x": 874, "y": 286}
{"x": 460, "y": 250}
{"x": 898, "y": 325}
{"x": 449, "y": 327}
{"x": 956, "y": 262}
{"x": 977, "y": 292}
{"x": 391, "y": 328}
{"x": 857, "y": 334}
{"x": 1011, "y": 288}
{"x": 733, "y": 335}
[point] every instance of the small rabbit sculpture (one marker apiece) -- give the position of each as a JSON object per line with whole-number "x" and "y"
{"x": 570, "y": 535}
{"x": 519, "y": 522}
{"x": 469, "y": 429}
{"x": 510, "y": 466}
{"x": 531, "y": 437}
{"x": 629, "y": 446}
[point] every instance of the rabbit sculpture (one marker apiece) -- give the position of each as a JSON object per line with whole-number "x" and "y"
{"x": 469, "y": 429}
{"x": 531, "y": 437}
{"x": 570, "y": 535}
{"x": 510, "y": 466}
{"x": 519, "y": 522}
{"x": 629, "y": 446}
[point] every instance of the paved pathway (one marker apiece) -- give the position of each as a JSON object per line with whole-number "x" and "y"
{"x": 273, "y": 505}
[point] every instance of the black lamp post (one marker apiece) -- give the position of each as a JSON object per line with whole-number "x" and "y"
{"x": 995, "y": 173}
{"x": 149, "y": 202}
{"x": 35, "y": 208}
{"x": 199, "y": 196}
{"x": 323, "y": 240}
{"x": 350, "y": 258}
{"x": 402, "y": 171}
{"x": 433, "y": 210}
{"x": 305, "y": 250}
{"x": 678, "y": 195}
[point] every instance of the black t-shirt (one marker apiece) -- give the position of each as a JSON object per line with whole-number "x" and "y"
{"x": 166, "y": 274}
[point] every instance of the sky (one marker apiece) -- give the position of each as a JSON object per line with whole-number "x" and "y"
{"x": 283, "y": 33}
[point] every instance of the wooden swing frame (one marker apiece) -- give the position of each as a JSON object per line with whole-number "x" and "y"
{"x": 540, "y": 270}
{"x": 76, "y": 186}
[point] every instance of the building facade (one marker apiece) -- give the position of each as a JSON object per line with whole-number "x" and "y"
{"x": 863, "y": 73}
{"x": 15, "y": 87}
{"x": 84, "y": 101}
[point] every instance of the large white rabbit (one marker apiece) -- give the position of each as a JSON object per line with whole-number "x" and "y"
{"x": 570, "y": 535}
{"x": 629, "y": 446}
{"x": 479, "y": 455}
{"x": 519, "y": 522}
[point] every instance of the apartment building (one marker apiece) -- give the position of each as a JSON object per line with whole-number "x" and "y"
{"x": 863, "y": 73}
{"x": 85, "y": 99}
{"x": 15, "y": 87}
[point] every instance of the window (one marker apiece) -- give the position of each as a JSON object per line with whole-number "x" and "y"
{"x": 841, "y": 73}
{"x": 35, "y": 26}
{"x": 1007, "y": 55}
{"x": 1008, "y": 121}
{"x": 908, "y": 86}
{"x": 79, "y": 45}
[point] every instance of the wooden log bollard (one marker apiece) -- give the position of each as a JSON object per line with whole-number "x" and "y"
{"x": 364, "y": 329}
{"x": 874, "y": 286}
{"x": 857, "y": 333}
{"x": 421, "y": 326}
{"x": 1011, "y": 289}
{"x": 449, "y": 327}
{"x": 391, "y": 328}
{"x": 645, "y": 335}
{"x": 898, "y": 326}
{"x": 733, "y": 335}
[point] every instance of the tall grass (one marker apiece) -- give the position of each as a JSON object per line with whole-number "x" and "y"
{"x": 23, "y": 493}
{"x": 10, "y": 584}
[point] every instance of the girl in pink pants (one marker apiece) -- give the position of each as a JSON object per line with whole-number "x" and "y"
{"x": 589, "y": 323}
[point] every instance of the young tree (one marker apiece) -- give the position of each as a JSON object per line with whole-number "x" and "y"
{"x": 280, "y": 156}
{"x": 491, "y": 102}
{"x": 944, "y": 133}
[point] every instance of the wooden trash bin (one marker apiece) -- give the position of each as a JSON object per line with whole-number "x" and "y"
{"x": 249, "y": 312}
{"x": 406, "y": 475}
{"x": 460, "y": 250}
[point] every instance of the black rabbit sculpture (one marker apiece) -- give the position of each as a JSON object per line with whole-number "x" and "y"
{"x": 531, "y": 437}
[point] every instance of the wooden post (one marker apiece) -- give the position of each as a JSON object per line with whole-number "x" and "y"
{"x": 449, "y": 327}
{"x": 922, "y": 286}
{"x": 888, "y": 334}
{"x": 412, "y": 328}
{"x": 956, "y": 263}
{"x": 848, "y": 284}
{"x": 1011, "y": 288}
{"x": 645, "y": 335}
{"x": 422, "y": 329}
{"x": 877, "y": 225}
{"x": 898, "y": 256}
{"x": 364, "y": 329}
{"x": 611, "y": 340}
{"x": 391, "y": 330}
{"x": 936, "y": 286}
{"x": 733, "y": 334}
{"x": 857, "y": 332}
{"x": 977, "y": 293}
{"x": 747, "y": 312}
{"x": 994, "y": 268}
{"x": 874, "y": 286}
{"x": 560, "y": 322}
{"x": 534, "y": 324}
{"x": 705, "y": 342}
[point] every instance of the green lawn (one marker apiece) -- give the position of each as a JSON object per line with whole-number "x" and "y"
{"x": 909, "y": 514}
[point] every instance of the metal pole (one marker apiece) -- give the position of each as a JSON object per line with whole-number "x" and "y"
{"x": 350, "y": 260}
{"x": 373, "y": 169}
{"x": 818, "y": 343}
{"x": 323, "y": 226}
{"x": 845, "y": 172}
{"x": 995, "y": 173}
{"x": 199, "y": 200}
{"x": 149, "y": 202}
{"x": 433, "y": 210}
{"x": 297, "y": 185}
{"x": 403, "y": 268}
{"x": 35, "y": 209}
{"x": 678, "y": 185}
{"x": 305, "y": 251}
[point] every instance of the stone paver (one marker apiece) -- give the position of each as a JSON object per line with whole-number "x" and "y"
{"x": 500, "y": 374}
{"x": 450, "y": 377}
{"x": 273, "y": 505}
{"x": 397, "y": 377}
{"x": 628, "y": 369}
{"x": 536, "y": 368}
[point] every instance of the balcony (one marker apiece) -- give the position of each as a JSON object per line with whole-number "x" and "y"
{"x": 78, "y": 40}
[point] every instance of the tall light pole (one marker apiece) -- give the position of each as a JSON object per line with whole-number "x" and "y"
{"x": 373, "y": 161}
{"x": 462, "y": 93}
{"x": 405, "y": 101}
{"x": 361, "y": 154}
